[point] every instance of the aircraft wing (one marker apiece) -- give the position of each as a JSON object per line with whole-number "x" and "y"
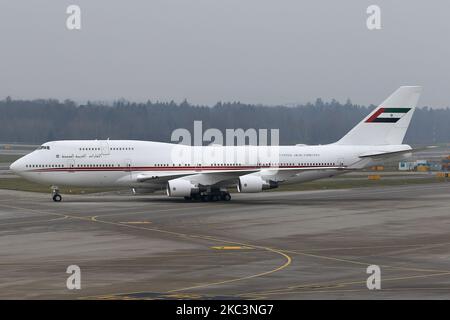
{"x": 154, "y": 176}
{"x": 212, "y": 177}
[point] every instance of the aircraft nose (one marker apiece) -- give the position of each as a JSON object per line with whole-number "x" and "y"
{"x": 14, "y": 166}
{"x": 17, "y": 166}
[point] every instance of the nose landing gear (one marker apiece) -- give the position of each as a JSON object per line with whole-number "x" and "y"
{"x": 55, "y": 194}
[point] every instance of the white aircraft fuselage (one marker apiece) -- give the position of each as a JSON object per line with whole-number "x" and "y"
{"x": 119, "y": 163}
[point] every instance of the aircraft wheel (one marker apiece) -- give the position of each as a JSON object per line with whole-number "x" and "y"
{"x": 57, "y": 197}
{"x": 188, "y": 198}
{"x": 226, "y": 197}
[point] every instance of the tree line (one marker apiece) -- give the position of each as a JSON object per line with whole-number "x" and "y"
{"x": 37, "y": 121}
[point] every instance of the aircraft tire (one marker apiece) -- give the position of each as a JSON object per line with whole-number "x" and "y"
{"x": 226, "y": 197}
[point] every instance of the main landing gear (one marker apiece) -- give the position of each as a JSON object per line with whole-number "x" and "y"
{"x": 222, "y": 196}
{"x": 55, "y": 194}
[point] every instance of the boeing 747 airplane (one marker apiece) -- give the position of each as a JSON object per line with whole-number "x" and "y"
{"x": 147, "y": 166}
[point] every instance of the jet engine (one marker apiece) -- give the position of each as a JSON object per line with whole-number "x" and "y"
{"x": 180, "y": 188}
{"x": 249, "y": 184}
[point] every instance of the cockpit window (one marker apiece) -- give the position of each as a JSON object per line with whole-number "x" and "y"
{"x": 43, "y": 148}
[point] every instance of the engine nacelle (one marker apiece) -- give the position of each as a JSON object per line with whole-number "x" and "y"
{"x": 180, "y": 188}
{"x": 249, "y": 184}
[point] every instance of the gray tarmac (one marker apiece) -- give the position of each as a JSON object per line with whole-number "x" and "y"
{"x": 275, "y": 245}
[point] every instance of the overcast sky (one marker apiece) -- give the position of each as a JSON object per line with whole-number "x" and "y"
{"x": 255, "y": 51}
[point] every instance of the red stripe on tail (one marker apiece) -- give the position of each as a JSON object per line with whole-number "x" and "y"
{"x": 375, "y": 115}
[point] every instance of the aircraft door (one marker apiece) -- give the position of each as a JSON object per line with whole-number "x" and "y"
{"x": 70, "y": 164}
{"x": 104, "y": 147}
{"x": 127, "y": 165}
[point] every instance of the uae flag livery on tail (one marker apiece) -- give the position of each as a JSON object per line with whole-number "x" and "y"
{"x": 388, "y": 115}
{"x": 386, "y": 124}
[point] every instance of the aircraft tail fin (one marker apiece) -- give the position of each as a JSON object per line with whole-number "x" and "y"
{"x": 387, "y": 124}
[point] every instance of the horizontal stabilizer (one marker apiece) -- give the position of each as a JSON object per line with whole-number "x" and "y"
{"x": 384, "y": 155}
